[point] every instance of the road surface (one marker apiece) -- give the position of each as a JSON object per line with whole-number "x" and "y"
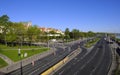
{"x": 42, "y": 64}
{"x": 96, "y": 62}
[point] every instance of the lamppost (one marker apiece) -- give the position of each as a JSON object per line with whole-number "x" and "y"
{"x": 48, "y": 40}
{"x": 21, "y": 55}
{"x": 53, "y": 41}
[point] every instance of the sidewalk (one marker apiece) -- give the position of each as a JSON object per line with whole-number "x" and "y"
{"x": 26, "y": 61}
{"x": 63, "y": 62}
{"x": 6, "y": 59}
{"x": 16, "y": 65}
{"x": 114, "y": 61}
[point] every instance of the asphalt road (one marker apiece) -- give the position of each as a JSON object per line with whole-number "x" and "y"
{"x": 95, "y": 62}
{"x": 42, "y": 64}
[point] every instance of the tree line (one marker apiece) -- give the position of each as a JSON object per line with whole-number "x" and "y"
{"x": 17, "y": 33}
{"x": 76, "y": 34}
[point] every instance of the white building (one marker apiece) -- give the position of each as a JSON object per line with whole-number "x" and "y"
{"x": 1, "y": 27}
{"x": 27, "y": 24}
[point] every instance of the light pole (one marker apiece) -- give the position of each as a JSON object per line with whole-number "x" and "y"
{"x": 54, "y": 49}
{"x": 19, "y": 54}
{"x": 48, "y": 40}
{"x": 54, "y": 46}
{"x": 21, "y": 68}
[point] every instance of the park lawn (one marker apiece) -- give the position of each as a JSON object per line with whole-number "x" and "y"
{"x": 13, "y": 54}
{"x": 118, "y": 39}
{"x": 16, "y": 47}
{"x": 2, "y": 63}
{"x": 91, "y": 43}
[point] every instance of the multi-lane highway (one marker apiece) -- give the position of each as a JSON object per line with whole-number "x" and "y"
{"x": 46, "y": 62}
{"x": 94, "y": 62}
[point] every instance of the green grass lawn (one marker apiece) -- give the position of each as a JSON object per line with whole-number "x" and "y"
{"x": 91, "y": 43}
{"x": 118, "y": 39}
{"x": 2, "y": 63}
{"x": 16, "y": 47}
{"x": 13, "y": 54}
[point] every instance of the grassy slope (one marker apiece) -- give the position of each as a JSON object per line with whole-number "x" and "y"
{"x": 91, "y": 43}
{"x": 2, "y": 63}
{"x": 13, "y": 54}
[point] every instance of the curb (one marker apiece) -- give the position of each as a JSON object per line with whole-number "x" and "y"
{"x": 113, "y": 62}
{"x": 61, "y": 63}
{"x": 26, "y": 61}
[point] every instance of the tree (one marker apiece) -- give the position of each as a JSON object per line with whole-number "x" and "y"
{"x": 11, "y": 36}
{"x": 20, "y": 32}
{"x": 62, "y": 37}
{"x": 81, "y": 34}
{"x": 91, "y": 34}
{"x": 4, "y": 26}
{"x": 67, "y": 37}
{"x": 67, "y": 32}
{"x": 33, "y": 32}
{"x": 52, "y": 32}
{"x": 75, "y": 34}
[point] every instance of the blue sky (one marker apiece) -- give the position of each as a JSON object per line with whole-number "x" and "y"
{"x": 85, "y": 15}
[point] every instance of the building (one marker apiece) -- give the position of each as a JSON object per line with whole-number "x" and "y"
{"x": 27, "y": 24}
{"x": 1, "y": 27}
{"x": 47, "y": 30}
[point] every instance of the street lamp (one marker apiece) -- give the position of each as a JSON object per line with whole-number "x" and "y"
{"x": 48, "y": 40}
{"x": 54, "y": 46}
{"x": 21, "y": 55}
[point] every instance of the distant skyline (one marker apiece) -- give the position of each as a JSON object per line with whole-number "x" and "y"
{"x": 85, "y": 15}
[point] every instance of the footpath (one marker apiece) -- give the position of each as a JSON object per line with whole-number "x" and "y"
{"x": 61, "y": 63}
{"x": 115, "y": 59}
{"x": 15, "y": 65}
{"x": 6, "y": 59}
{"x": 68, "y": 58}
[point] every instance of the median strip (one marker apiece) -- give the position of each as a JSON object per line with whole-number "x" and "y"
{"x": 47, "y": 72}
{"x": 62, "y": 62}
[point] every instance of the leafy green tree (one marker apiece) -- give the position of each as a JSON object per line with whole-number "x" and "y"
{"x": 52, "y": 32}
{"x": 20, "y": 32}
{"x": 33, "y": 32}
{"x": 81, "y": 34}
{"x": 67, "y": 37}
{"x": 62, "y": 37}
{"x": 4, "y": 26}
{"x": 67, "y": 32}
{"x": 75, "y": 33}
{"x": 11, "y": 36}
{"x": 91, "y": 34}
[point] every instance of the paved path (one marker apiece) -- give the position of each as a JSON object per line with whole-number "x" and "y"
{"x": 24, "y": 49}
{"x": 114, "y": 55}
{"x": 6, "y": 59}
{"x": 26, "y": 61}
{"x": 89, "y": 64}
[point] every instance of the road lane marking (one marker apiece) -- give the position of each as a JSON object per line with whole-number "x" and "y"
{"x": 76, "y": 73}
{"x": 99, "y": 61}
{"x": 89, "y": 60}
{"x": 47, "y": 72}
{"x": 66, "y": 59}
{"x": 61, "y": 72}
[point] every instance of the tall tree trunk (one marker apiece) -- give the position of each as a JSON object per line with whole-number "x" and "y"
{"x": 5, "y": 39}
